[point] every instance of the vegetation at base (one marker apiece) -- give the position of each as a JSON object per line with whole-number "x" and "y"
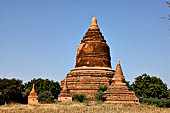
{"x": 100, "y": 96}
{"x": 79, "y": 97}
{"x": 163, "y": 102}
{"x": 14, "y": 91}
{"x": 151, "y": 90}
{"x": 45, "y": 97}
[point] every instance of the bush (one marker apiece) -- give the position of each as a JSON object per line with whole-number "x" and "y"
{"x": 163, "y": 102}
{"x": 100, "y": 96}
{"x": 79, "y": 97}
{"x": 102, "y": 88}
{"x": 45, "y": 97}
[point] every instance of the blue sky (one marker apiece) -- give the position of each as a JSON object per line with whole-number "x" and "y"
{"x": 39, "y": 38}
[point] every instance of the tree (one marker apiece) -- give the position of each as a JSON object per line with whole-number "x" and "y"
{"x": 42, "y": 85}
{"x": 146, "y": 86}
{"x": 11, "y": 91}
{"x": 169, "y": 94}
{"x": 45, "y": 97}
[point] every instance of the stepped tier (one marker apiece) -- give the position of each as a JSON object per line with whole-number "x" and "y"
{"x": 87, "y": 80}
{"x": 120, "y": 94}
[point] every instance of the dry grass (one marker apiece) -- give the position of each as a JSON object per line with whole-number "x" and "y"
{"x": 81, "y": 108}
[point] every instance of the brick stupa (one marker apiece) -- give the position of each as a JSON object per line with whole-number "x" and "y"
{"x": 65, "y": 95}
{"x": 32, "y": 98}
{"x": 93, "y": 68}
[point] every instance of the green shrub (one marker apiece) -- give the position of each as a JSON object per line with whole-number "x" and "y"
{"x": 79, "y": 97}
{"x": 100, "y": 96}
{"x": 102, "y": 88}
{"x": 163, "y": 102}
{"x": 45, "y": 97}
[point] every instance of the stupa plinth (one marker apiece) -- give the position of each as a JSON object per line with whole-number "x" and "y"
{"x": 93, "y": 68}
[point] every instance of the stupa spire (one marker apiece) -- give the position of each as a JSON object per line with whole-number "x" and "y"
{"x": 33, "y": 89}
{"x": 118, "y": 69}
{"x": 65, "y": 84}
{"x": 118, "y": 62}
{"x": 118, "y": 78}
{"x": 94, "y": 25}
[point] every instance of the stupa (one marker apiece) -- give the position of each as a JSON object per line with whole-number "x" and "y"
{"x": 118, "y": 92}
{"x": 32, "y": 98}
{"x": 65, "y": 95}
{"x": 93, "y": 68}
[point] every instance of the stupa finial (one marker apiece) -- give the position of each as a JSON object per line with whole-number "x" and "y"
{"x": 94, "y": 21}
{"x": 94, "y": 25}
{"x": 118, "y": 62}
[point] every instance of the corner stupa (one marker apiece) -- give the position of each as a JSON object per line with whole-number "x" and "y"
{"x": 65, "y": 95}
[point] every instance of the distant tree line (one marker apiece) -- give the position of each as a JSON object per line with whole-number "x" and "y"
{"x": 14, "y": 91}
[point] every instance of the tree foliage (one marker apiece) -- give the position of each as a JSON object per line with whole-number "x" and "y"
{"x": 11, "y": 91}
{"x": 169, "y": 94}
{"x": 146, "y": 86}
{"x": 45, "y": 97}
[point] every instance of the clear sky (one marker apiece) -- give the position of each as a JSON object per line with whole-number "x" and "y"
{"x": 39, "y": 38}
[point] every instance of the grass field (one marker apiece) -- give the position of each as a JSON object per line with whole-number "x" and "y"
{"x": 81, "y": 108}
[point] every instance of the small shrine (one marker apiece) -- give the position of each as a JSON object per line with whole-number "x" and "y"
{"x": 65, "y": 95}
{"x": 33, "y": 98}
